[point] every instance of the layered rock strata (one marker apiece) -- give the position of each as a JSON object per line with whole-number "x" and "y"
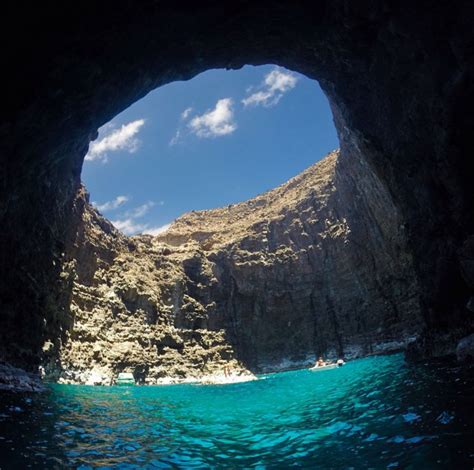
{"x": 318, "y": 265}
{"x": 398, "y": 75}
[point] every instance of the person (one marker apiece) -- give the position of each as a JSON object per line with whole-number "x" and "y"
{"x": 340, "y": 362}
{"x": 320, "y": 362}
{"x": 226, "y": 371}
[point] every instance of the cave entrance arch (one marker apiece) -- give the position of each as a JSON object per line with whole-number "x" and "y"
{"x": 398, "y": 77}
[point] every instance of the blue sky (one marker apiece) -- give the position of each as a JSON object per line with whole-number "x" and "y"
{"x": 220, "y": 138}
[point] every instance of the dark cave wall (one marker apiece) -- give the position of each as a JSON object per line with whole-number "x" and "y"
{"x": 399, "y": 77}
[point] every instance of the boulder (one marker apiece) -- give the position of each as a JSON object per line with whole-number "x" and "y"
{"x": 465, "y": 349}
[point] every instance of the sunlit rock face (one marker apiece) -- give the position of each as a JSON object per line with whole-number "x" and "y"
{"x": 318, "y": 265}
{"x": 399, "y": 77}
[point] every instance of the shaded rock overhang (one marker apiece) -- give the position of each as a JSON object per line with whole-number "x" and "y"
{"x": 398, "y": 75}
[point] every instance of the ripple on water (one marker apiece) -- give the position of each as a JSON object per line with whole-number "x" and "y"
{"x": 375, "y": 412}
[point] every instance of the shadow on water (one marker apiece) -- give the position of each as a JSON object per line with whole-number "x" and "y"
{"x": 376, "y": 412}
{"x": 29, "y": 431}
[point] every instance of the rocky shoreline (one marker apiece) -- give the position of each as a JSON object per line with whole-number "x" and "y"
{"x": 464, "y": 353}
{"x": 13, "y": 379}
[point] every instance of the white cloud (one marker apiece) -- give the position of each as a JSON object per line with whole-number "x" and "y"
{"x": 185, "y": 114}
{"x": 175, "y": 138}
{"x": 140, "y": 211}
{"x": 129, "y": 226}
{"x": 128, "y": 223}
{"x": 110, "y": 205}
{"x": 215, "y": 122}
{"x": 118, "y": 139}
{"x": 157, "y": 230}
{"x": 275, "y": 84}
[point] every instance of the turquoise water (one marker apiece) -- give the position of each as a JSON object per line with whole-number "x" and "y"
{"x": 373, "y": 413}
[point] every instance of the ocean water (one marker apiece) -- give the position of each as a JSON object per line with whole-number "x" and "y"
{"x": 376, "y": 412}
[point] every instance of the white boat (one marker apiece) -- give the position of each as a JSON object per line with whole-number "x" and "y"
{"x": 327, "y": 367}
{"x": 125, "y": 378}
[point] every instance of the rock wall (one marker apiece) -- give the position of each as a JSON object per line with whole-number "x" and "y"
{"x": 318, "y": 265}
{"x": 399, "y": 77}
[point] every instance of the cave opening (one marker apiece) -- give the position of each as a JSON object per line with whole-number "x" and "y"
{"x": 221, "y": 138}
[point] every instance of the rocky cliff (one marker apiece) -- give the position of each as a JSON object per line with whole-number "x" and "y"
{"x": 398, "y": 76}
{"x": 318, "y": 265}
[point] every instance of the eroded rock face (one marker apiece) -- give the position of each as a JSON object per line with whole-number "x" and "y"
{"x": 465, "y": 349}
{"x": 317, "y": 266}
{"x": 399, "y": 77}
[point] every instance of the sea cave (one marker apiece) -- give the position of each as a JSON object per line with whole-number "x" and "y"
{"x": 367, "y": 256}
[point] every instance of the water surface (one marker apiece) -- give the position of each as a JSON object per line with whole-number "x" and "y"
{"x": 373, "y": 413}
